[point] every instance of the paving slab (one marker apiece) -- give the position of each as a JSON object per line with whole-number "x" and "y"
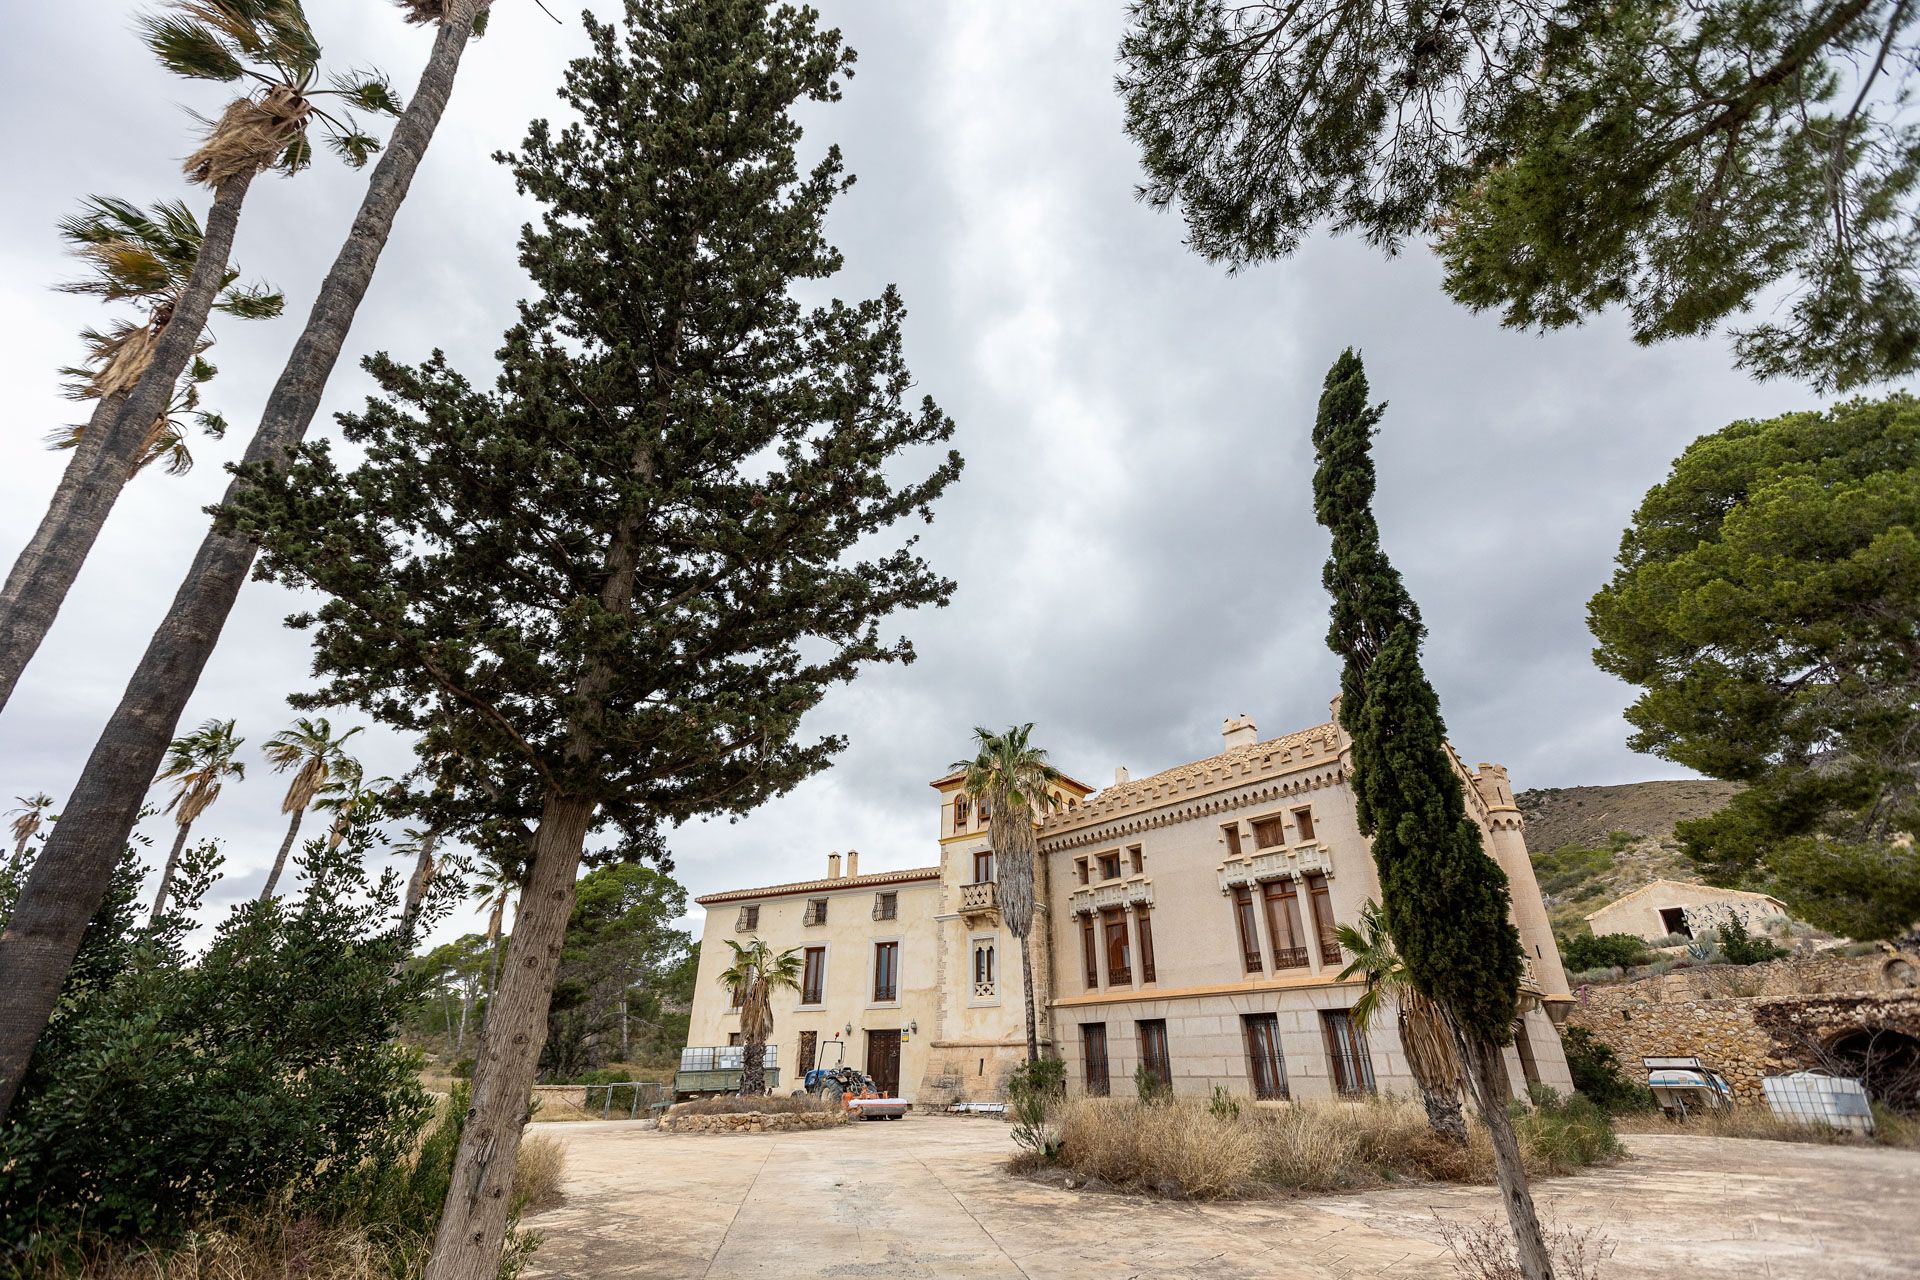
{"x": 928, "y": 1196}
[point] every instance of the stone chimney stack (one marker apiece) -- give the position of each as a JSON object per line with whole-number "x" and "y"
{"x": 1121, "y": 775}
{"x": 853, "y": 862}
{"x": 833, "y": 866}
{"x": 1239, "y": 732}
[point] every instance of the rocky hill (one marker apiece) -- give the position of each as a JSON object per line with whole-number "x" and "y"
{"x": 1591, "y": 844}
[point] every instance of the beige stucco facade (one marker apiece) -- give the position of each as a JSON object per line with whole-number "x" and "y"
{"x": 1209, "y": 891}
{"x": 1663, "y": 907}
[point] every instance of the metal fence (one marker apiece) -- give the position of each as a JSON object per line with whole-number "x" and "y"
{"x": 633, "y": 1097}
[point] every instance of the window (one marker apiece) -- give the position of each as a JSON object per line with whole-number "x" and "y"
{"x": 1346, "y": 1052}
{"x": 961, "y": 807}
{"x": 1093, "y": 1043}
{"x": 733, "y": 1037}
{"x": 1110, "y": 866}
{"x": 1080, "y": 869}
{"x": 1283, "y": 924}
{"x": 1265, "y": 1067}
{"x": 813, "y": 976}
{"x": 1153, "y": 1051}
{"x": 1322, "y": 900}
{"x": 984, "y": 977}
{"x": 1090, "y": 952}
{"x": 1232, "y": 832}
{"x": 982, "y": 866}
{"x": 1249, "y": 930}
{"x": 1143, "y": 925}
{"x": 1674, "y": 920}
{"x": 1269, "y": 833}
{"x": 749, "y": 919}
{"x": 886, "y": 906}
{"x": 816, "y": 911}
{"x": 1119, "y": 959}
{"x": 886, "y": 971}
{"x": 984, "y": 811}
{"x": 1138, "y": 860}
{"x": 736, "y": 995}
{"x": 1303, "y": 819}
{"x": 809, "y": 1052}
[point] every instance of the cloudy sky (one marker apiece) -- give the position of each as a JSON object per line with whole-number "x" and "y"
{"x": 1133, "y": 537}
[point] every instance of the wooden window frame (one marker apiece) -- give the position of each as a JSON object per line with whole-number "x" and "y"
{"x": 1266, "y": 1061}
{"x": 1090, "y": 951}
{"x": 886, "y": 906}
{"x": 808, "y": 1056}
{"x": 1111, "y": 866}
{"x": 983, "y": 862}
{"x": 1232, "y": 832}
{"x": 1303, "y": 824}
{"x": 1285, "y": 933}
{"x": 1320, "y": 898}
{"x": 816, "y": 912}
{"x": 1113, "y": 933}
{"x": 886, "y": 968}
{"x": 1349, "y": 1061}
{"x": 1154, "y": 1054}
{"x": 1136, "y": 860}
{"x": 1274, "y": 824}
{"x": 1143, "y": 927}
{"x": 1099, "y": 1068}
{"x": 1249, "y": 929}
{"x": 813, "y": 977}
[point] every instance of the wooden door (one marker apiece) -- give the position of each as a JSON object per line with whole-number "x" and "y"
{"x": 1093, "y": 1047}
{"x": 883, "y": 1061}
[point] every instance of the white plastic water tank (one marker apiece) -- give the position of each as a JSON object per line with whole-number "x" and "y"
{"x": 1813, "y": 1097}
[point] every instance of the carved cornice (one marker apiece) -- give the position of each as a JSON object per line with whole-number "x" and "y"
{"x": 1238, "y": 794}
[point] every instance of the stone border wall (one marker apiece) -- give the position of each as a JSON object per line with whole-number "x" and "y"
{"x": 750, "y": 1121}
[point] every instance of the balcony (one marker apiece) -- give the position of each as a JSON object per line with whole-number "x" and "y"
{"x": 1289, "y": 958}
{"x": 1274, "y": 864}
{"x": 979, "y": 900}
{"x": 747, "y": 921}
{"x": 816, "y": 913}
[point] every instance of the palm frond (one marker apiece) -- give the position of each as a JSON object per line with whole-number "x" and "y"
{"x": 191, "y": 49}
{"x": 353, "y": 145}
{"x": 368, "y": 90}
{"x": 259, "y": 301}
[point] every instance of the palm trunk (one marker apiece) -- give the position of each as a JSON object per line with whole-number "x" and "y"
{"x": 473, "y": 1224}
{"x": 753, "y": 1068}
{"x": 466, "y": 1007}
{"x": 19, "y": 852}
{"x": 280, "y": 859}
{"x": 166, "y": 876}
{"x": 71, "y": 876}
{"x": 1487, "y": 1077}
{"x": 1026, "y": 985}
{"x": 422, "y": 877}
{"x": 107, "y": 453}
{"x": 1444, "y": 1114}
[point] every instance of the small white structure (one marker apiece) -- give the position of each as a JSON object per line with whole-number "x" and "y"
{"x": 1664, "y": 907}
{"x": 1813, "y": 1097}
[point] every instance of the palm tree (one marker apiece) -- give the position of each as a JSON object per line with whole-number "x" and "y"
{"x": 266, "y": 47}
{"x": 350, "y": 798}
{"x": 314, "y": 755}
{"x": 756, "y": 972}
{"x": 421, "y": 844}
{"x": 72, "y": 874}
{"x": 499, "y": 881}
{"x": 198, "y": 764}
{"x": 1012, "y": 779}
{"x": 1424, "y": 1034}
{"x": 26, "y": 823}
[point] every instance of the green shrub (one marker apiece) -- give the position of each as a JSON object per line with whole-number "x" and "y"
{"x": 1597, "y": 1075}
{"x": 1034, "y": 1091}
{"x": 1563, "y": 1134}
{"x": 1586, "y": 951}
{"x": 1150, "y": 1087}
{"x": 1223, "y": 1106}
{"x": 258, "y": 1076}
{"x": 1737, "y": 946}
{"x": 463, "y": 1069}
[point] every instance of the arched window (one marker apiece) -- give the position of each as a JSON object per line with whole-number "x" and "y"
{"x": 960, "y": 808}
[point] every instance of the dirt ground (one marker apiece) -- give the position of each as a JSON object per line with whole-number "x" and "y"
{"x": 927, "y": 1197}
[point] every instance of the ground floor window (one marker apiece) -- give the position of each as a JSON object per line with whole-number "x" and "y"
{"x": 1347, "y": 1052}
{"x": 985, "y": 962}
{"x": 1153, "y": 1052}
{"x": 1265, "y": 1066}
{"x": 809, "y": 1052}
{"x": 1093, "y": 1046}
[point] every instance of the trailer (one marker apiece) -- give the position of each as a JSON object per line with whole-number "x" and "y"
{"x": 1683, "y": 1086}
{"x": 710, "y": 1070}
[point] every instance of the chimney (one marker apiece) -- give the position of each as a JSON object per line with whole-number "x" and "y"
{"x": 1239, "y": 732}
{"x": 1121, "y": 775}
{"x": 853, "y": 862}
{"x": 833, "y": 866}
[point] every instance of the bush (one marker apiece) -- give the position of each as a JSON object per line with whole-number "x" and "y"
{"x": 539, "y": 1169}
{"x": 1618, "y": 950}
{"x": 1150, "y": 1087}
{"x": 1035, "y": 1090}
{"x": 463, "y": 1069}
{"x": 1560, "y": 1135}
{"x": 259, "y": 1077}
{"x": 1597, "y": 1075}
{"x": 1737, "y": 946}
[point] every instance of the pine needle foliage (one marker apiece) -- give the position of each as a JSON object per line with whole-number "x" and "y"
{"x": 1444, "y": 900}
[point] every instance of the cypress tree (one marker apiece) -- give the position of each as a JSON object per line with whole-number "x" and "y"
{"x": 610, "y": 586}
{"x": 1445, "y": 900}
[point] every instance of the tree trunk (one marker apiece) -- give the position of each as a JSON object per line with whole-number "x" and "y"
{"x": 473, "y": 1224}
{"x": 422, "y": 877}
{"x": 71, "y": 876}
{"x": 19, "y": 852}
{"x": 1026, "y": 987}
{"x": 626, "y": 1044}
{"x": 1487, "y": 1077}
{"x": 280, "y": 859}
{"x": 753, "y": 1068}
{"x": 466, "y": 1012}
{"x": 166, "y": 876}
{"x": 1444, "y": 1114}
{"x": 107, "y": 453}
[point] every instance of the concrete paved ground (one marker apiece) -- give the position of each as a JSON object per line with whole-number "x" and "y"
{"x": 926, "y": 1197}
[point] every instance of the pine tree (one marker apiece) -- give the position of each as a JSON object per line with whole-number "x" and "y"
{"x": 613, "y": 584}
{"x": 1444, "y": 899}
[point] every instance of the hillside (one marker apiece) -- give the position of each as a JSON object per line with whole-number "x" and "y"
{"x": 1591, "y": 844}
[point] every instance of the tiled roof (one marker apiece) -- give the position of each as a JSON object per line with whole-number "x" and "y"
{"x": 911, "y": 874}
{"x": 1226, "y": 759}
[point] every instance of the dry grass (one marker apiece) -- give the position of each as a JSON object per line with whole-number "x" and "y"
{"x": 1890, "y": 1128}
{"x": 253, "y": 1249}
{"x": 1483, "y": 1250}
{"x": 734, "y": 1105}
{"x": 1188, "y": 1150}
{"x": 538, "y": 1171}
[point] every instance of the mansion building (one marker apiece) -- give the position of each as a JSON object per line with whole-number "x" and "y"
{"x": 1184, "y": 929}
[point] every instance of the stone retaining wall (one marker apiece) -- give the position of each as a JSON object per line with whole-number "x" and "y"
{"x": 1725, "y": 1016}
{"x": 750, "y": 1121}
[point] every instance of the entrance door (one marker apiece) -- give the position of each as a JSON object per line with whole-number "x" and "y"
{"x": 883, "y": 1061}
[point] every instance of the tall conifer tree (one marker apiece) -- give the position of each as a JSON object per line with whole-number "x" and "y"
{"x": 617, "y": 580}
{"x": 1445, "y": 901}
